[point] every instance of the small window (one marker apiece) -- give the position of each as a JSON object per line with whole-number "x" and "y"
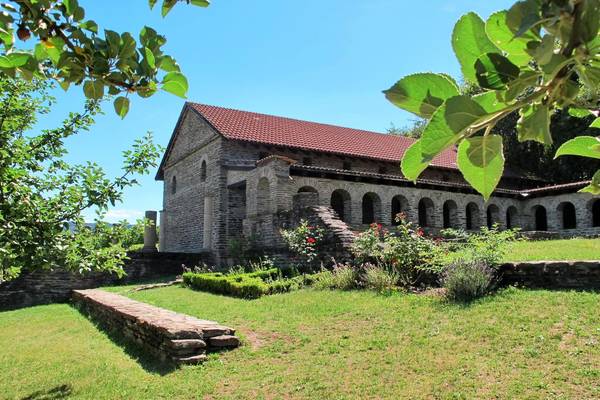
{"x": 347, "y": 166}
{"x": 203, "y": 171}
{"x": 263, "y": 154}
{"x": 173, "y": 185}
{"x": 383, "y": 170}
{"x": 307, "y": 161}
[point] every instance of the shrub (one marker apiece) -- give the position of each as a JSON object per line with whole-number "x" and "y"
{"x": 342, "y": 277}
{"x": 380, "y": 279}
{"x": 489, "y": 246}
{"x": 304, "y": 240}
{"x": 466, "y": 280}
{"x": 234, "y": 285}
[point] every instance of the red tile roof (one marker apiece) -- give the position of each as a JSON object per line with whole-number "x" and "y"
{"x": 288, "y": 132}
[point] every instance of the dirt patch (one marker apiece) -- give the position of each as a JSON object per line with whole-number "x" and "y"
{"x": 258, "y": 339}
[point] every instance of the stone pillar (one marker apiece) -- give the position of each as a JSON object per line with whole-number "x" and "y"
{"x": 162, "y": 236}
{"x": 150, "y": 236}
{"x": 208, "y": 222}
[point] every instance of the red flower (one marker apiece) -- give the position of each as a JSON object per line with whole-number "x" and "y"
{"x": 420, "y": 232}
{"x": 311, "y": 240}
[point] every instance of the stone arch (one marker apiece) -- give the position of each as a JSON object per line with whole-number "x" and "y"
{"x": 173, "y": 185}
{"x": 308, "y": 189}
{"x": 450, "y": 214}
{"x": 263, "y": 196}
{"x": 472, "y": 216}
{"x": 595, "y": 206}
{"x": 568, "y": 215}
{"x": 306, "y": 196}
{"x": 341, "y": 202}
{"x": 399, "y": 205}
{"x": 540, "y": 218}
{"x": 203, "y": 171}
{"x": 371, "y": 208}
{"x": 512, "y": 217}
{"x": 426, "y": 209}
{"x": 493, "y": 215}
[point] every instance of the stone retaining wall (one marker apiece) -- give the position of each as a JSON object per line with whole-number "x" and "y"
{"x": 43, "y": 287}
{"x": 168, "y": 335}
{"x": 584, "y": 275}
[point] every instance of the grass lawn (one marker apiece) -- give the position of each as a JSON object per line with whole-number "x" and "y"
{"x": 566, "y": 249}
{"x": 320, "y": 344}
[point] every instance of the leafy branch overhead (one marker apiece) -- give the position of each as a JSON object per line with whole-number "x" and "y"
{"x": 534, "y": 58}
{"x": 66, "y": 46}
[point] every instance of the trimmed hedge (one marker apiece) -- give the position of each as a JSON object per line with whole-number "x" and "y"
{"x": 248, "y": 286}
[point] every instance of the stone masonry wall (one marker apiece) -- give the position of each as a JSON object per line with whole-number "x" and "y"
{"x": 584, "y": 275}
{"x": 43, "y": 287}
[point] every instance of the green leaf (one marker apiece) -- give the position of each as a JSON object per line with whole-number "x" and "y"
{"x": 481, "y": 161}
{"x": 579, "y": 112}
{"x": 534, "y": 124}
{"x": 149, "y": 56}
{"x": 93, "y": 89}
{"x": 175, "y": 83}
{"x": 19, "y": 59}
{"x": 152, "y": 3}
{"x": 90, "y": 25}
{"x": 524, "y": 17}
{"x": 596, "y": 123}
{"x": 544, "y": 50}
{"x": 200, "y": 3}
{"x": 527, "y": 79}
{"x": 449, "y": 122}
{"x": 504, "y": 38}
{"x": 167, "y": 63}
{"x": 70, "y": 6}
{"x": 167, "y": 6}
{"x": 494, "y": 71}
{"x": 127, "y": 48}
{"x": 469, "y": 42}
{"x": 589, "y": 20}
{"x": 414, "y": 162}
{"x": 422, "y": 94}
{"x": 594, "y": 186}
{"x": 584, "y": 146}
{"x": 489, "y": 101}
{"x": 121, "y": 106}
{"x": 5, "y": 62}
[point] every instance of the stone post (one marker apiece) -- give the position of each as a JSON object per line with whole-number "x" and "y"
{"x": 150, "y": 237}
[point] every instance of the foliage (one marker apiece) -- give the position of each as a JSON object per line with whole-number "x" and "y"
{"x": 532, "y": 59}
{"x": 304, "y": 240}
{"x": 466, "y": 280}
{"x": 380, "y": 279}
{"x": 341, "y": 277}
{"x": 489, "y": 247}
{"x": 406, "y": 251}
{"x": 248, "y": 285}
{"x": 69, "y": 48}
{"x": 415, "y": 130}
{"x": 41, "y": 194}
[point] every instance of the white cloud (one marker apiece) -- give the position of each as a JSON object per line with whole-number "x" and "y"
{"x": 116, "y": 215}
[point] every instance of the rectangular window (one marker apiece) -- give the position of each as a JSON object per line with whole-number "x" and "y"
{"x": 347, "y": 166}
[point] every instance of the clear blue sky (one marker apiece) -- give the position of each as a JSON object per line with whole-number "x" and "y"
{"x": 320, "y": 60}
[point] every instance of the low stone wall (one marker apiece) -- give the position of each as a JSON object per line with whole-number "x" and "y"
{"x": 43, "y": 287}
{"x": 168, "y": 335}
{"x": 583, "y": 275}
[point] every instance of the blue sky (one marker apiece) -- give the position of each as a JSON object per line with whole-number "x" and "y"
{"x": 320, "y": 60}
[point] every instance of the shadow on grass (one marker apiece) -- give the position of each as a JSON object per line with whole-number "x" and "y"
{"x": 146, "y": 359}
{"x": 56, "y": 393}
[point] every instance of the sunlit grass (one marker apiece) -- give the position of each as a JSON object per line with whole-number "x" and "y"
{"x": 321, "y": 344}
{"x": 567, "y": 249}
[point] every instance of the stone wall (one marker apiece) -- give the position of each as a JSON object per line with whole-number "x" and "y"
{"x": 584, "y": 275}
{"x": 168, "y": 335}
{"x": 43, "y": 287}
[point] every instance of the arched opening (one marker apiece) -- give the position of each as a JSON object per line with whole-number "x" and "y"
{"x": 307, "y": 196}
{"x": 371, "y": 207}
{"x": 425, "y": 212}
{"x": 173, "y": 185}
{"x": 493, "y": 215}
{"x": 308, "y": 189}
{"x": 541, "y": 219}
{"x": 568, "y": 215}
{"x": 341, "y": 204}
{"x": 512, "y": 217}
{"x": 263, "y": 197}
{"x": 472, "y": 216}
{"x": 596, "y": 213}
{"x": 450, "y": 217}
{"x": 203, "y": 171}
{"x": 399, "y": 205}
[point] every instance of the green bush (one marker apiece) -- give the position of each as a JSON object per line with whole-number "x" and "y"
{"x": 342, "y": 277}
{"x": 233, "y": 285}
{"x": 380, "y": 279}
{"x": 466, "y": 280}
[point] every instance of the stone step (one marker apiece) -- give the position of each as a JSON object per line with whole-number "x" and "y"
{"x": 223, "y": 341}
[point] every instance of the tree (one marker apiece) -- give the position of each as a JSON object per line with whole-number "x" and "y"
{"x": 533, "y": 59}
{"x": 40, "y": 194}
{"x": 69, "y": 48}
{"x": 415, "y": 130}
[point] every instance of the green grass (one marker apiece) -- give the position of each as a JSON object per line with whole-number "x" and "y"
{"x": 543, "y": 250}
{"x": 320, "y": 344}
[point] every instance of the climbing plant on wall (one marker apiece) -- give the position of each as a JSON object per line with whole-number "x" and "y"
{"x": 534, "y": 59}
{"x": 67, "y": 46}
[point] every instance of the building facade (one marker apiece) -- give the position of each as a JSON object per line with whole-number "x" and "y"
{"x": 232, "y": 174}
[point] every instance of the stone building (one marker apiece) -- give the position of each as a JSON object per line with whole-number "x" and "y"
{"x": 230, "y": 174}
